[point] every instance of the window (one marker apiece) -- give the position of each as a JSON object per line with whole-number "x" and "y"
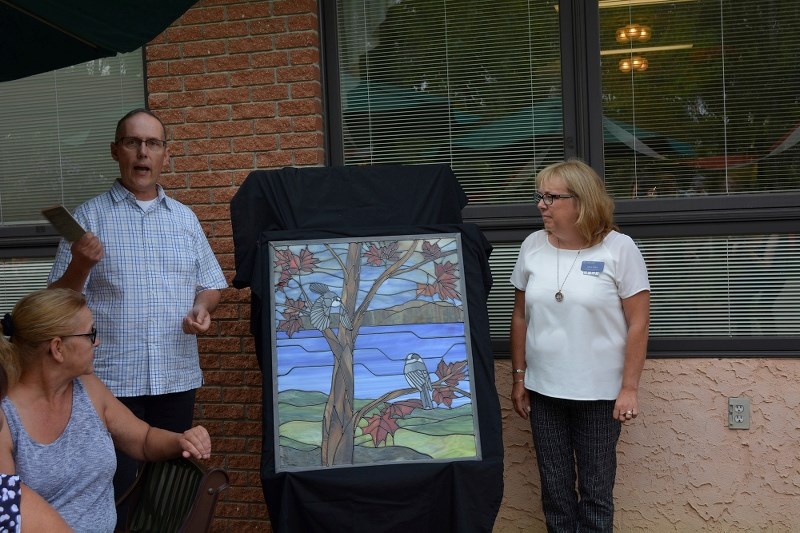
{"x": 55, "y": 131}
{"x": 439, "y": 81}
{"x": 666, "y": 98}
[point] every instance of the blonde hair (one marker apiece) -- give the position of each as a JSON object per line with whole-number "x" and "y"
{"x": 37, "y": 318}
{"x": 595, "y": 206}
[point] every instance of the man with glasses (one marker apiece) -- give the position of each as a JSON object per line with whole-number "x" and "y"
{"x": 151, "y": 281}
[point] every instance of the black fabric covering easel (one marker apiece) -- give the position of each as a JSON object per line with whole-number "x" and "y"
{"x": 315, "y": 203}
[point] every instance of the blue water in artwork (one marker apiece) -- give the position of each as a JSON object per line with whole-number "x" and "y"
{"x": 305, "y": 361}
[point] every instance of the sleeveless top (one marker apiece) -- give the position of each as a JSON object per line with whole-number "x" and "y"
{"x": 73, "y": 473}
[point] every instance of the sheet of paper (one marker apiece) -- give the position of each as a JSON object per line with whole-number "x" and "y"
{"x": 65, "y": 224}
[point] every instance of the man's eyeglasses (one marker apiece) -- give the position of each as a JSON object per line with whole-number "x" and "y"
{"x": 134, "y": 143}
{"x": 549, "y": 198}
{"x": 92, "y": 335}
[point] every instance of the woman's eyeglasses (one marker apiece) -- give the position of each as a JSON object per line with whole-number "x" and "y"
{"x": 549, "y": 198}
{"x": 92, "y": 335}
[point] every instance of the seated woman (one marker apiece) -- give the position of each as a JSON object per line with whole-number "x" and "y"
{"x": 37, "y": 513}
{"x": 63, "y": 422}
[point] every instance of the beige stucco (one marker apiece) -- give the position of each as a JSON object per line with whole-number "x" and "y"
{"x": 679, "y": 466}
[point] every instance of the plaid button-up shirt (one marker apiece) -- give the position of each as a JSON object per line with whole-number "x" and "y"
{"x": 154, "y": 263}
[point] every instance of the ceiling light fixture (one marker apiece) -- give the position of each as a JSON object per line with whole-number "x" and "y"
{"x": 633, "y": 64}
{"x": 633, "y": 33}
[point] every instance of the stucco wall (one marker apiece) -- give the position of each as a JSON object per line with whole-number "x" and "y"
{"x": 679, "y": 466}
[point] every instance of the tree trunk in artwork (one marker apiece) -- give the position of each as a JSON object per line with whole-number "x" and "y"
{"x": 337, "y": 422}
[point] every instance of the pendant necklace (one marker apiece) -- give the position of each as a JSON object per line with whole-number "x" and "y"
{"x": 559, "y": 294}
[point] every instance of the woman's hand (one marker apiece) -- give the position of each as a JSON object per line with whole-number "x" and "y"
{"x": 626, "y": 408}
{"x": 195, "y": 443}
{"x": 521, "y": 399}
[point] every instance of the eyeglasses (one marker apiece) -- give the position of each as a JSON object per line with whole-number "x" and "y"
{"x": 549, "y": 198}
{"x": 92, "y": 335}
{"x": 134, "y": 143}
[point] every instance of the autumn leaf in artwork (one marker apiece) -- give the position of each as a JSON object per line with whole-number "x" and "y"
{"x": 377, "y": 256}
{"x": 291, "y": 312}
{"x": 402, "y": 408}
{"x": 451, "y": 373}
{"x": 379, "y": 427}
{"x": 445, "y": 283}
{"x": 431, "y": 251}
{"x": 444, "y": 395}
{"x": 295, "y": 263}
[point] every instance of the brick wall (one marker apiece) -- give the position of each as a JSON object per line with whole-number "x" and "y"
{"x": 238, "y": 85}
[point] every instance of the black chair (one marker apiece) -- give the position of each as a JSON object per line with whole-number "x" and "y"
{"x": 178, "y": 495}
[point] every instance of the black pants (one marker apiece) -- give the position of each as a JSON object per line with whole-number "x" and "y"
{"x": 572, "y": 436}
{"x": 173, "y": 412}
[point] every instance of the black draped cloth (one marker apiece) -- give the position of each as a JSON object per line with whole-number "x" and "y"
{"x": 459, "y": 496}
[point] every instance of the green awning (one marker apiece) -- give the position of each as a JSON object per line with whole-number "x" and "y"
{"x": 43, "y": 35}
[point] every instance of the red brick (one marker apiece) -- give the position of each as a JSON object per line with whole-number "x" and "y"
{"x": 209, "y": 394}
{"x": 160, "y": 85}
{"x": 154, "y": 52}
{"x": 300, "y": 140}
{"x": 303, "y": 22}
{"x": 186, "y": 99}
{"x": 242, "y": 428}
{"x": 299, "y": 107}
{"x": 252, "y": 77}
{"x": 227, "y": 63}
{"x": 268, "y": 160}
{"x": 273, "y": 125}
{"x": 236, "y": 361}
{"x": 218, "y": 162}
{"x": 211, "y": 179}
{"x": 232, "y": 128}
{"x": 222, "y": 444}
{"x": 207, "y": 113}
{"x": 228, "y": 95}
{"x": 192, "y": 196}
{"x": 181, "y": 67}
{"x": 189, "y": 131}
{"x": 287, "y": 7}
{"x": 171, "y": 181}
{"x": 271, "y": 25}
{"x": 301, "y": 73}
{"x": 156, "y": 69}
{"x": 270, "y": 59}
{"x": 269, "y": 93}
{"x": 305, "y": 39}
{"x": 169, "y": 116}
{"x": 312, "y": 123}
{"x": 177, "y": 34}
{"x": 223, "y": 411}
{"x": 241, "y": 395}
{"x": 203, "y": 48}
{"x": 250, "y": 44}
{"x": 223, "y": 196}
{"x": 189, "y": 163}
{"x": 225, "y": 29}
{"x": 255, "y": 144}
{"x": 225, "y": 378}
{"x": 208, "y": 146}
{"x": 304, "y": 57}
{"x": 211, "y": 212}
{"x": 248, "y": 11}
{"x": 257, "y": 110}
{"x": 198, "y": 15}
{"x": 309, "y": 158}
{"x": 207, "y": 81}
{"x": 305, "y": 89}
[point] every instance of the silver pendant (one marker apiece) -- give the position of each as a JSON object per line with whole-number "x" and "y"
{"x": 559, "y": 296}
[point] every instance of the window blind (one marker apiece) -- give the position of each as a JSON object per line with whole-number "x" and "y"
{"x": 732, "y": 286}
{"x": 19, "y": 277}
{"x": 475, "y": 85}
{"x": 700, "y": 97}
{"x": 55, "y": 131}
